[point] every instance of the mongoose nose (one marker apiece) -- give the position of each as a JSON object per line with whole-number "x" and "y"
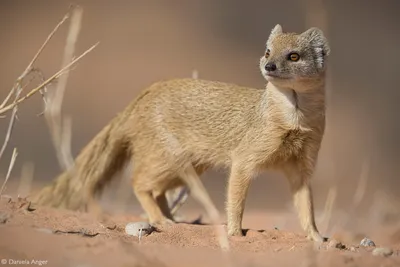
{"x": 270, "y": 67}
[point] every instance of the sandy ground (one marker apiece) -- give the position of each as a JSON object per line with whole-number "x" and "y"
{"x": 49, "y": 237}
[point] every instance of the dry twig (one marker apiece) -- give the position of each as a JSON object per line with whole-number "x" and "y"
{"x": 48, "y": 81}
{"x": 10, "y": 167}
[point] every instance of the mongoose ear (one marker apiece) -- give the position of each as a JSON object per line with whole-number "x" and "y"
{"x": 316, "y": 38}
{"x": 275, "y": 31}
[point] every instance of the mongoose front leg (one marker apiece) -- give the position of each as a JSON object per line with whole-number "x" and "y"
{"x": 238, "y": 185}
{"x": 303, "y": 201}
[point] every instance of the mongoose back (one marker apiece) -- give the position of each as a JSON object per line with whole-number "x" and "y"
{"x": 176, "y": 129}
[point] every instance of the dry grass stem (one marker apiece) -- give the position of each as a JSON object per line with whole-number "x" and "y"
{"x": 43, "y": 91}
{"x": 5, "y": 101}
{"x": 9, "y": 131}
{"x": 10, "y": 167}
{"x": 30, "y": 66}
{"x": 48, "y": 81}
{"x": 12, "y": 119}
{"x": 61, "y": 129}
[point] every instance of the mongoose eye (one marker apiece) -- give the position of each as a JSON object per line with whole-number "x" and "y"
{"x": 294, "y": 56}
{"x": 267, "y": 54}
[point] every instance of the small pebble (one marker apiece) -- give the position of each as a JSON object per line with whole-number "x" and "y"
{"x": 353, "y": 249}
{"x": 386, "y": 252}
{"x": 138, "y": 229}
{"x": 366, "y": 242}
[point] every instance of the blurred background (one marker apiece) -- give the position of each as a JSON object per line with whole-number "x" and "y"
{"x": 144, "y": 41}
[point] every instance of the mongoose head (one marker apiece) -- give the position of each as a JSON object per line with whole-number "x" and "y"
{"x": 295, "y": 61}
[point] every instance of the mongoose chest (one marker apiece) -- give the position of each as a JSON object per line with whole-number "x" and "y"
{"x": 292, "y": 143}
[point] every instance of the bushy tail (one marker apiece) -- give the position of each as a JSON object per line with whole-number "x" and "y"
{"x": 95, "y": 166}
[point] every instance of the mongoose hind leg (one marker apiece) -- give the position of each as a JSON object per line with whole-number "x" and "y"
{"x": 178, "y": 196}
{"x": 162, "y": 202}
{"x": 303, "y": 202}
{"x": 238, "y": 185}
{"x": 199, "y": 193}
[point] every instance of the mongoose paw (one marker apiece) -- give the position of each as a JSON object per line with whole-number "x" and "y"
{"x": 179, "y": 218}
{"x": 316, "y": 237}
{"x": 163, "y": 222}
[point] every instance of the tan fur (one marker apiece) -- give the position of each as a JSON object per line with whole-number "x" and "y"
{"x": 174, "y": 130}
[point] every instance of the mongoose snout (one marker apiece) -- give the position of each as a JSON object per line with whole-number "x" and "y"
{"x": 270, "y": 67}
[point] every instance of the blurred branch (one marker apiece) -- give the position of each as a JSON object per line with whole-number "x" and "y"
{"x": 316, "y": 14}
{"x": 61, "y": 129}
{"x": 26, "y": 179}
{"x": 327, "y": 214}
{"x": 195, "y": 74}
{"x": 359, "y": 194}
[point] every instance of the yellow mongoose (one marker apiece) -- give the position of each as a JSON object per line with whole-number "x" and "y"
{"x": 174, "y": 130}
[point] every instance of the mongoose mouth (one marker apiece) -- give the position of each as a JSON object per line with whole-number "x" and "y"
{"x": 275, "y": 76}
